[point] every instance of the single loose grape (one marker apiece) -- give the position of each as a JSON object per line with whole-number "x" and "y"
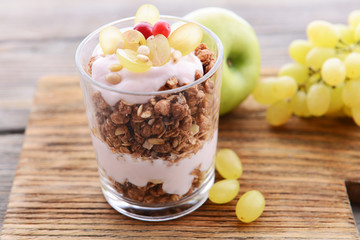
{"x": 322, "y": 34}
{"x": 250, "y": 206}
{"x": 333, "y": 71}
{"x": 295, "y": 70}
{"x": 318, "y": 99}
{"x": 352, "y": 64}
{"x": 224, "y": 191}
{"x": 228, "y": 164}
{"x": 298, "y": 50}
{"x": 279, "y": 113}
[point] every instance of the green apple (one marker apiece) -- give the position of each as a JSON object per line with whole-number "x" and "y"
{"x": 241, "y": 68}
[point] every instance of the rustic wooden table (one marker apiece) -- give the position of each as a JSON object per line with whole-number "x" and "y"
{"x": 39, "y": 37}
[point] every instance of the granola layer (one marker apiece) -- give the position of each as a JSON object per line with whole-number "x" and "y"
{"x": 168, "y": 127}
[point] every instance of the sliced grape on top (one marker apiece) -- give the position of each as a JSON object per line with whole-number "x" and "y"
{"x": 152, "y": 33}
{"x": 129, "y": 59}
{"x": 147, "y": 13}
{"x": 134, "y": 39}
{"x": 186, "y": 38}
{"x": 110, "y": 39}
{"x": 160, "y": 50}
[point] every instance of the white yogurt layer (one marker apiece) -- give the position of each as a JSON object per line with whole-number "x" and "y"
{"x": 148, "y": 81}
{"x": 176, "y": 177}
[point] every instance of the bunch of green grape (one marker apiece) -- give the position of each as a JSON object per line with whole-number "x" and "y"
{"x": 251, "y": 204}
{"x": 324, "y": 78}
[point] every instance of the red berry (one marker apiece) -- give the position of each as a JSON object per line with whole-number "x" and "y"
{"x": 161, "y": 27}
{"x": 145, "y": 28}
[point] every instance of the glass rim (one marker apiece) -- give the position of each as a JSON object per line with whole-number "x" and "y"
{"x": 84, "y": 74}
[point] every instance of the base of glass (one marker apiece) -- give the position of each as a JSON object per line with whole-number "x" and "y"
{"x": 155, "y": 213}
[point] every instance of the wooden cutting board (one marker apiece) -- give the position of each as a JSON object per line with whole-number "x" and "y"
{"x": 301, "y": 169}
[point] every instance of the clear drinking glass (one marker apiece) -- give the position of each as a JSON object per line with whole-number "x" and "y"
{"x": 154, "y": 167}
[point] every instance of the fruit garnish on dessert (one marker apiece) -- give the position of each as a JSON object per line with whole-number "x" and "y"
{"x": 147, "y": 13}
{"x": 153, "y": 33}
{"x": 161, "y": 27}
{"x": 134, "y": 39}
{"x": 133, "y": 61}
{"x": 186, "y": 38}
{"x": 159, "y": 49}
{"x": 110, "y": 39}
{"x": 145, "y": 28}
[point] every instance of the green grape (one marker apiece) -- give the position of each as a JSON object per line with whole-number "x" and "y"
{"x": 298, "y": 104}
{"x": 322, "y": 34}
{"x": 317, "y": 56}
{"x": 295, "y": 70}
{"x": 314, "y": 78}
{"x": 186, "y": 38}
{"x": 298, "y": 50}
{"x": 352, "y": 64}
{"x": 318, "y": 99}
{"x": 110, "y": 39}
{"x": 351, "y": 93}
{"x": 284, "y": 87}
{"x": 333, "y": 71}
{"x": 250, "y": 206}
{"x": 129, "y": 60}
{"x": 147, "y": 13}
{"x": 279, "y": 113}
{"x": 336, "y": 103}
{"x": 224, "y": 191}
{"x": 160, "y": 50}
{"x": 228, "y": 164}
{"x": 263, "y": 92}
{"x": 357, "y": 33}
{"x": 356, "y": 115}
{"x": 346, "y": 33}
{"x": 347, "y": 111}
{"x": 354, "y": 18}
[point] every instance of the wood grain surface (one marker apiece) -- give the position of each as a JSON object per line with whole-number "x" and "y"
{"x": 39, "y": 37}
{"x": 300, "y": 168}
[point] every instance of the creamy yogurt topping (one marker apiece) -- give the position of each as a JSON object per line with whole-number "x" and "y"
{"x": 149, "y": 81}
{"x": 176, "y": 177}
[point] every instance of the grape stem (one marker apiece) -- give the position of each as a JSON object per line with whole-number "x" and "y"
{"x": 343, "y": 47}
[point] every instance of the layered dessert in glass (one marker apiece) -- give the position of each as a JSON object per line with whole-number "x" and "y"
{"x": 151, "y": 91}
